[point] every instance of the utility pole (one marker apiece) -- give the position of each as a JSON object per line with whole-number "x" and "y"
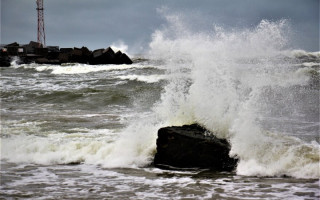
{"x": 41, "y": 33}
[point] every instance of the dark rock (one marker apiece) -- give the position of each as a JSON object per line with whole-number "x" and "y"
{"x": 97, "y": 53}
{"x": 35, "y": 44}
{"x": 64, "y": 57}
{"x": 107, "y": 56}
{"x": 42, "y": 60}
{"x": 30, "y": 58}
{"x": 65, "y": 50}
{"x": 53, "y": 55}
{"x": 96, "y": 57}
{"x": 82, "y": 55}
{"x": 122, "y": 58}
{"x": 76, "y": 56}
{"x": 31, "y": 47}
{"x": 4, "y": 52}
{"x": 117, "y": 57}
{"x": 53, "y": 49}
{"x": 12, "y": 50}
{"x": 190, "y": 147}
{"x": 34, "y": 52}
{"x": 109, "y": 53}
{"x": 47, "y": 61}
{"x": 86, "y": 52}
{"x": 103, "y": 56}
{"x": 15, "y": 44}
{"x": 4, "y": 61}
{"x": 41, "y": 51}
{"x": 76, "y": 52}
{"x": 118, "y": 54}
{"x": 125, "y": 59}
{"x": 86, "y": 55}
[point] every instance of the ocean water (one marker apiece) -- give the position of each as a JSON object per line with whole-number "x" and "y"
{"x": 78, "y": 131}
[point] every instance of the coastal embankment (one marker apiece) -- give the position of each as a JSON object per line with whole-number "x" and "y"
{"x": 36, "y": 53}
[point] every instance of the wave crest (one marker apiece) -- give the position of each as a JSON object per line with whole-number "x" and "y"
{"x": 223, "y": 79}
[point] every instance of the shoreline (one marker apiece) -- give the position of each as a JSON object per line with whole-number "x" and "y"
{"x": 36, "y": 53}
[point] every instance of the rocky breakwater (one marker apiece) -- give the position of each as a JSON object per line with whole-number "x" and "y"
{"x": 36, "y": 53}
{"x": 192, "y": 146}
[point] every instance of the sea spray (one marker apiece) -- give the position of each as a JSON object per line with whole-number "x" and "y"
{"x": 15, "y": 61}
{"x": 244, "y": 85}
{"x": 222, "y": 80}
{"x": 119, "y": 46}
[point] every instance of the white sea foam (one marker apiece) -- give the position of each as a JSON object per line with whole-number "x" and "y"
{"x": 135, "y": 145}
{"x": 132, "y": 147}
{"x": 218, "y": 80}
{"x": 311, "y": 64}
{"x": 222, "y": 92}
{"x": 58, "y": 148}
{"x": 79, "y": 68}
{"x": 142, "y": 78}
{"x": 302, "y": 53}
{"x": 14, "y": 61}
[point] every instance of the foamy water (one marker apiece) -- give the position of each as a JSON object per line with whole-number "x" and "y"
{"x": 226, "y": 88}
{"x": 93, "y": 129}
{"x": 77, "y": 68}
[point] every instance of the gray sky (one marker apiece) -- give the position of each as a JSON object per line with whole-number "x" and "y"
{"x": 99, "y": 23}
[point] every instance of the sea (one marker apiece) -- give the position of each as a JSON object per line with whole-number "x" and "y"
{"x": 78, "y": 131}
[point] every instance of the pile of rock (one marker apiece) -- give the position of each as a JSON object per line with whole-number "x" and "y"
{"x": 103, "y": 56}
{"x": 34, "y": 52}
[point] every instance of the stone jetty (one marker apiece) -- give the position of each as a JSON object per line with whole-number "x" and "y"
{"x": 36, "y": 53}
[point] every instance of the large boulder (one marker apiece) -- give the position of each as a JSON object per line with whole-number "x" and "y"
{"x": 108, "y": 56}
{"x": 80, "y": 55}
{"x": 103, "y": 56}
{"x": 14, "y": 44}
{"x": 66, "y": 50}
{"x": 52, "y": 55}
{"x": 42, "y": 60}
{"x": 76, "y": 56}
{"x": 96, "y": 57}
{"x": 47, "y": 61}
{"x": 64, "y": 57}
{"x": 192, "y": 146}
{"x": 42, "y": 51}
{"x": 122, "y": 58}
{"x": 31, "y": 47}
{"x": 86, "y": 53}
{"x": 4, "y": 61}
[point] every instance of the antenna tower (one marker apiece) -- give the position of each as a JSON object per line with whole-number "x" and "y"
{"x": 41, "y": 33}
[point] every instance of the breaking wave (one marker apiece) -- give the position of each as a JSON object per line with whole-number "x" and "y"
{"x": 75, "y": 68}
{"x": 244, "y": 85}
{"x": 233, "y": 83}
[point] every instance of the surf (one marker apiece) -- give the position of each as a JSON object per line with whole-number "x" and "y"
{"x": 246, "y": 85}
{"x": 223, "y": 79}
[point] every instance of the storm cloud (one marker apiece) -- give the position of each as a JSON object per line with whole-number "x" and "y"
{"x": 100, "y": 23}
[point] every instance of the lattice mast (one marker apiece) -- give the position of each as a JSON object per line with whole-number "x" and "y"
{"x": 41, "y": 32}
